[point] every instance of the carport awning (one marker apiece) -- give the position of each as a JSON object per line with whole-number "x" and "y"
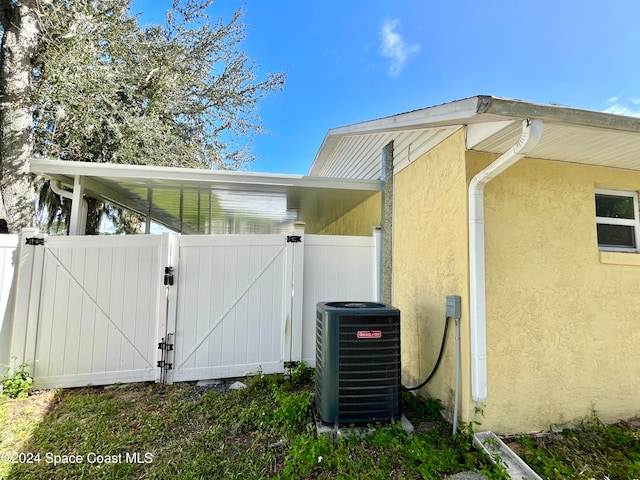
{"x": 207, "y": 201}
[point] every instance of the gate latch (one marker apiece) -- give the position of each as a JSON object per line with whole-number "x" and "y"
{"x": 294, "y": 239}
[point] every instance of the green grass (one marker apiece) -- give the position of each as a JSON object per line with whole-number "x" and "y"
{"x": 591, "y": 451}
{"x": 181, "y": 431}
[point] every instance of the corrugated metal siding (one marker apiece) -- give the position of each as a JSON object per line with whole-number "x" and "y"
{"x": 359, "y": 156}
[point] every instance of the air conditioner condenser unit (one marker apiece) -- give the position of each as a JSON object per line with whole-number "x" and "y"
{"x": 358, "y": 377}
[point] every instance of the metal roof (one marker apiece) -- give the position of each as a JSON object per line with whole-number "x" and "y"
{"x": 493, "y": 125}
{"x": 207, "y": 201}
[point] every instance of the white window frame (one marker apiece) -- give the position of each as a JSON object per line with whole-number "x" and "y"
{"x": 635, "y": 222}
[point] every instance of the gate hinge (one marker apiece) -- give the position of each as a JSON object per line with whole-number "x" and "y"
{"x": 294, "y": 239}
{"x": 165, "y": 365}
{"x": 35, "y": 241}
{"x": 167, "y": 347}
{"x": 168, "y": 275}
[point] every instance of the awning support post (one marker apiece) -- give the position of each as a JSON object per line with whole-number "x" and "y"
{"x": 147, "y": 224}
{"x": 78, "y": 210}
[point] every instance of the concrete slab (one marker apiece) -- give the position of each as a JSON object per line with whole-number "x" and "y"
{"x": 206, "y": 383}
{"x": 338, "y": 431}
{"x": 467, "y": 476}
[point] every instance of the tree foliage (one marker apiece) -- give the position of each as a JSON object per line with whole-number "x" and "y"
{"x": 107, "y": 89}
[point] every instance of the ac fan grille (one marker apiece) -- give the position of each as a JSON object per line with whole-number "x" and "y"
{"x": 368, "y": 368}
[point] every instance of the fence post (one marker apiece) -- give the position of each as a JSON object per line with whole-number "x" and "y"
{"x": 169, "y": 257}
{"x": 9, "y": 245}
{"x": 293, "y": 296}
{"x": 377, "y": 263}
{"x": 78, "y": 221}
{"x": 26, "y": 305}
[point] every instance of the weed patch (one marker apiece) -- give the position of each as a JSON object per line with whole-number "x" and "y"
{"x": 16, "y": 384}
{"x": 264, "y": 431}
{"x": 593, "y": 450}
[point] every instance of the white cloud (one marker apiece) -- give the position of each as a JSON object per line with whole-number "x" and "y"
{"x": 395, "y": 48}
{"x": 619, "y": 106}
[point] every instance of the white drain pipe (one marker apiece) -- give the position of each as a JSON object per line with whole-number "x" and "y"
{"x": 531, "y": 133}
{"x": 77, "y": 228}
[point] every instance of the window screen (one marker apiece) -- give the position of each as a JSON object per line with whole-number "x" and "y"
{"x": 617, "y": 220}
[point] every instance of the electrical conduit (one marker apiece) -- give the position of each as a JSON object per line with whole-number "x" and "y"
{"x": 531, "y": 133}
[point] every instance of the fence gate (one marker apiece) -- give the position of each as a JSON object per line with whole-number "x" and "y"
{"x": 91, "y": 313}
{"x": 99, "y": 310}
{"x": 231, "y": 305}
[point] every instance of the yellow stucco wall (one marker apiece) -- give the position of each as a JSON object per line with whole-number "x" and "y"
{"x": 358, "y": 221}
{"x": 563, "y": 327}
{"x": 430, "y": 262}
{"x": 563, "y": 319}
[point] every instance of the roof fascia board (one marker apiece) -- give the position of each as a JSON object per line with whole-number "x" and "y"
{"x": 199, "y": 176}
{"x": 461, "y": 111}
{"x": 110, "y": 170}
{"x": 517, "y": 109}
{"x": 328, "y": 144}
{"x": 447, "y": 114}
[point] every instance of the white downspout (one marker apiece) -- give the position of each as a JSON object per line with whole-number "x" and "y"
{"x": 531, "y": 133}
{"x": 56, "y": 187}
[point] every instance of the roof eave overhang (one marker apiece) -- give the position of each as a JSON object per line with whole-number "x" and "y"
{"x": 475, "y": 110}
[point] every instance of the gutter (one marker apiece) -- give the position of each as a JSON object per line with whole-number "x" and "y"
{"x": 56, "y": 187}
{"x": 531, "y": 133}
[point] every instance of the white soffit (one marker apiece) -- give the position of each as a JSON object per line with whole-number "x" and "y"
{"x": 360, "y": 155}
{"x": 479, "y": 132}
{"x": 562, "y": 142}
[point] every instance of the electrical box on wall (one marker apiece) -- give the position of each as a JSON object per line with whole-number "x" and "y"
{"x": 454, "y": 309}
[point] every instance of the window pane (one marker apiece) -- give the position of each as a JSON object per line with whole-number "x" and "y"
{"x": 614, "y": 206}
{"x": 616, "y": 236}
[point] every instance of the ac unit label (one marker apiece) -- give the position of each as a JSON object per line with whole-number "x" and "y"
{"x": 369, "y": 334}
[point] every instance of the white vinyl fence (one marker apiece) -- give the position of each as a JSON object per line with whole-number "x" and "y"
{"x": 8, "y": 253}
{"x": 165, "y": 308}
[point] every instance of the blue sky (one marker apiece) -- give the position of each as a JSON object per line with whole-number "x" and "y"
{"x": 349, "y": 61}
